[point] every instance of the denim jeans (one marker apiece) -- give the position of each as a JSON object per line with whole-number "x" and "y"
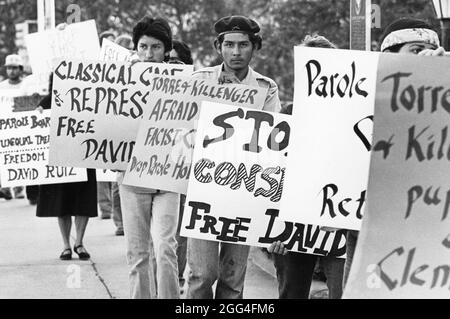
{"x": 208, "y": 265}
{"x": 109, "y": 201}
{"x": 104, "y": 198}
{"x": 116, "y": 209}
{"x": 182, "y": 245}
{"x": 150, "y": 221}
{"x": 295, "y": 271}
{"x": 352, "y": 240}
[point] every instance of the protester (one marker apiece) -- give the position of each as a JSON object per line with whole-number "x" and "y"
{"x": 181, "y": 53}
{"x": 226, "y": 263}
{"x": 109, "y": 202}
{"x": 107, "y": 35}
{"x": 124, "y": 40}
{"x": 411, "y": 36}
{"x": 404, "y": 36}
{"x": 67, "y": 200}
{"x": 14, "y": 85}
{"x": 14, "y": 71}
{"x": 295, "y": 271}
{"x": 150, "y": 216}
{"x": 236, "y": 42}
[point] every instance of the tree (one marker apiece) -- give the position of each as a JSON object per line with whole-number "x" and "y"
{"x": 284, "y": 24}
{"x": 11, "y": 13}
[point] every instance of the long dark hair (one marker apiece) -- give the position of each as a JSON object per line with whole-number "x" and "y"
{"x": 153, "y": 27}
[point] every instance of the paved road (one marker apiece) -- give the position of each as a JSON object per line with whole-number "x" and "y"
{"x": 30, "y": 267}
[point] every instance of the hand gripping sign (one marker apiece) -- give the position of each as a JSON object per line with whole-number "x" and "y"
{"x": 237, "y": 181}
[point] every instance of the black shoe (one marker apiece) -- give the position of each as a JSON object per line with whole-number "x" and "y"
{"x": 82, "y": 255}
{"x": 5, "y": 193}
{"x": 33, "y": 202}
{"x": 66, "y": 254}
{"x": 119, "y": 232}
{"x": 319, "y": 276}
{"x": 319, "y": 294}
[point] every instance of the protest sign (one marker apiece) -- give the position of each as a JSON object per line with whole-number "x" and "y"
{"x": 403, "y": 248}
{"x": 26, "y": 103}
{"x": 162, "y": 155}
{"x": 111, "y": 51}
{"x": 329, "y": 155}
{"x": 6, "y": 102}
{"x": 97, "y": 107}
{"x": 7, "y": 99}
{"x": 35, "y": 84}
{"x": 24, "y": 143}
{"x": 237, "y": 182}
{"x": 78, "y": 40}
{"x": 104, "y": 175}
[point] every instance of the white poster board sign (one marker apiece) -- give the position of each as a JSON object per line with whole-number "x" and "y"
{"x": 104, "y": 175}
{"x": 237, "y": 182}
{"x": 77, "y": 40}
{"x": 24, "y": 145}
{"x": 329, "y": 155}
{"x": 403, "y": 248}
{"x": 97, "y": 107}
{"x": 162, "y": 155}
{"x": 111, "y": 51}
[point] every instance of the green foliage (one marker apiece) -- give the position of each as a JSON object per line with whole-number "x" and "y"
{"x": 284, "y": 24}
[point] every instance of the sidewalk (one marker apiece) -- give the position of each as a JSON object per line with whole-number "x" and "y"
{"x": 319, "y": 290}
{"x": 30, "y": 265}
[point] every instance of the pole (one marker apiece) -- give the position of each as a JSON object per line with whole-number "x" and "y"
{"x": 49, "y": 14}
{"x": 46, "y": 14}
{"x": 41, "y": 15}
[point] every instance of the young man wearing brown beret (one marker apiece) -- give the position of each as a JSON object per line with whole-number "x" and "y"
{"x": 237, "y": 40}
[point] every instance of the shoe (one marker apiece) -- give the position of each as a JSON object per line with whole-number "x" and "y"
{"x": 33, "y": 202}
{"x": 5, "y": 193}
{"x": 119, "y": 232}
{"x": 319, "y": 294}
{"x": 319, "y": 276}
{"x": 82, "y": 255}
{"x": 181, "y": 283}
{"x": 18, "y": 193}
{"x": 105, "y": 216}
{"x": 66, "y": 254}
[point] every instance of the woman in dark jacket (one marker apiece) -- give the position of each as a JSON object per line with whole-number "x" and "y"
{"x": 67, "y": 200}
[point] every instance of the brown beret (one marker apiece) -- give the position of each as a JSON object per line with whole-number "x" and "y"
{"x": 236, "y": 24}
